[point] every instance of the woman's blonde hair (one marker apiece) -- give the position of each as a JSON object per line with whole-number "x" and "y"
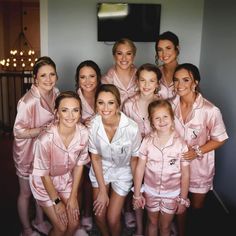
{"x": 124, "y": 41}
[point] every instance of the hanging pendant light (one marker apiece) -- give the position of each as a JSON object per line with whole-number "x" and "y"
{"x": 22, "y": 55}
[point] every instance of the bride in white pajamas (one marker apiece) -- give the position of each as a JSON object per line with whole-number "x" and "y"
{"x": 114, "y": 141}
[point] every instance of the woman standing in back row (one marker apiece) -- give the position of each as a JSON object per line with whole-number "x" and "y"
{"x": 88, "y": 79}
{"x": 35, "y": 111}
{"x": 167, "y": 51}
{"x": 122, "y": 74}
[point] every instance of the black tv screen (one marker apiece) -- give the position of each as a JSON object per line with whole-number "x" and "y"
{"x": 138, "y": 22}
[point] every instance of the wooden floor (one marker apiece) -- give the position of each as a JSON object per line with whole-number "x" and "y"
{"x": 214, "y": 220}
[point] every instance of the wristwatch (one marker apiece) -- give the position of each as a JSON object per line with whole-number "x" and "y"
{"x": 56, "y": 201}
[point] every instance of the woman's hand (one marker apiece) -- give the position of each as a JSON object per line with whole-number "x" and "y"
{"x": 72, "y": 207}
{"x": 190, "y": 154}
{"x": 61, "y": 213}
{"x": 87, "y": 122}
{"x": 138, "y": 202}
{"x": 101, "y": 202}
{"x": 182, "y": 204}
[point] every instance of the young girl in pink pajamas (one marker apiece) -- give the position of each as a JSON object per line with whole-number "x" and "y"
{"x": 201, "y": 125}
{"x": 35, "y": 111}
{"x": 165, "y": 172}
{"x": 148, "y": 77}
{"x": 167, "y": 51}
{"x": 88, "y": 79}
{"x": 59, "y": 155}
{"x": 122, "y": 74}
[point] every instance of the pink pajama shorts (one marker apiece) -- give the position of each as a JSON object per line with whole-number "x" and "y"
{"x": 163, "y": 204}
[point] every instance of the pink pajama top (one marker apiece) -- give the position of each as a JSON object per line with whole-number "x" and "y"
{"x": 87, "y": 110}
{"x": 203, "y": 123}
{"x": 162, "y": 176}
{"x": 166, "y": 91}
{"x": 112, "y": 78}
{"x": 131, "y": 109}
{"x": 32, "y": 112}
{"x": 52, "y": 158}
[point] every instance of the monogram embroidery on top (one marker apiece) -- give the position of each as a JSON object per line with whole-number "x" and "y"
{"x": 172, "y": 162}
{"x": 195, "y": 133}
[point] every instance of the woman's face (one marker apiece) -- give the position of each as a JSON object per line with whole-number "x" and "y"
{"x": 184, "y": 83}
{"x": 68, "y": 112}
{"x": 166, "y": 51}
{"x": 46, "y": 78}
{"x": 88, "y": 79}
{"x": 147, "y": 82}
{"x": 124, "y": 56}
{"x": 107, "y": 105}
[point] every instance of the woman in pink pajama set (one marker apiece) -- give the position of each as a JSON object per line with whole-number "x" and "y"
{"x": 122, "y": 74}
{"x": 35, "y": 111}
{"x": 167, "y": 51}
{"x": 59, "y": 155}
{"x": 201, "y": 125}
{"x": 88, "y": 79}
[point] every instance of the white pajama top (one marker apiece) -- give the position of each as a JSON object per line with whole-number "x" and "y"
{"x": 116, "y": 155}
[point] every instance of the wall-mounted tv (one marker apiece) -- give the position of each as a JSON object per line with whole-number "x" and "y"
{"x": 138, "y": 22}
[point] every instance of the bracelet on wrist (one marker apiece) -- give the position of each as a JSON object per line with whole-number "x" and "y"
{"x": 182, "y": 201}
{"x": 197, "y": 150}
{"x": 137, "y": 198}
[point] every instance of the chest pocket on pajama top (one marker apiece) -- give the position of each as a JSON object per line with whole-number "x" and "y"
{"x": 172, "y": 163}
{"x": 121, "y": 155}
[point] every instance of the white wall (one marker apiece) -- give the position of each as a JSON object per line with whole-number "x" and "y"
{"x": 70, "y": 34}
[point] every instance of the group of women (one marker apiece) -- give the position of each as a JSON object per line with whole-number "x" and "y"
{"x": 80, "y": 153}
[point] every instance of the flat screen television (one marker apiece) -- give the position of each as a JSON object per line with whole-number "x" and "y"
{"x": 138, "y": 22}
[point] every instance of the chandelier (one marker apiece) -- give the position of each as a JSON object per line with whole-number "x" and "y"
{"x": 22, "y": 56}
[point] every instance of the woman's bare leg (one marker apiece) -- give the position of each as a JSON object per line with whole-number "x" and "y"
{"x": 114, "y": 213}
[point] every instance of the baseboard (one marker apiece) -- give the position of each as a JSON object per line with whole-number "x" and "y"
{"x": 220, "y": 201}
